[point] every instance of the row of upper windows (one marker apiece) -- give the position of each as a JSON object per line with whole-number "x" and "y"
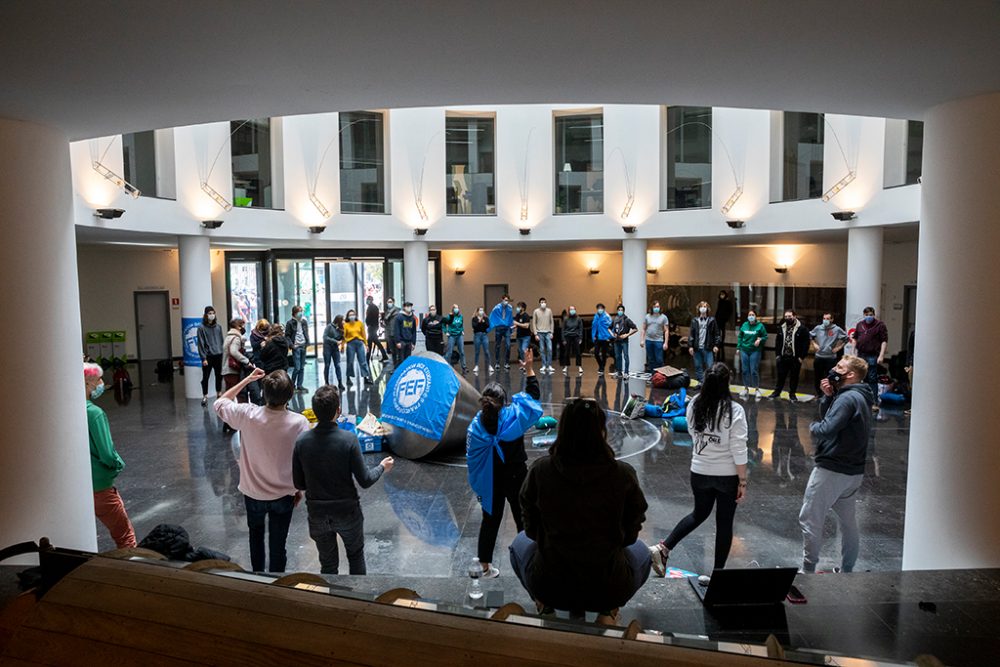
{"x": 578, "y": 152}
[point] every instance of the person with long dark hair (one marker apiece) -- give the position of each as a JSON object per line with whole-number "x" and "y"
{"x": 718, "y": 428}
{"x": 580, "y": 550}
{"x": 496, "y": 457}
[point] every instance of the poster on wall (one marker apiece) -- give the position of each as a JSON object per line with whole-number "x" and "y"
{"x": 189, "y": 325}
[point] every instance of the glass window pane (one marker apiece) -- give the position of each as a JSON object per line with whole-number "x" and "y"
{"x": 139, "y": 153}
{"x": 251, "y": 156}
{"x": 803, "y": 156}
{"x": 362, "y": 162}
{"x": 469, "y": 171}
{"x": 689, "y": 157}
{"x": 579, "y": 163}
{"x": 343, "y": 289}
{"x": 244, "y": 286}
{"x": 914, "y": 150}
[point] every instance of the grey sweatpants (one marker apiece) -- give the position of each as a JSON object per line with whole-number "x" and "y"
{"x": 829, "y": 490}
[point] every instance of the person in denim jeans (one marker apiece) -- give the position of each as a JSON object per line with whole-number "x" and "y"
{"x": 542, "y": 326}
{"x": 267, "y": 439}
{"x": 522, "y": 323}
{"x": 297, "y": 331}
{"x": 481, "y": 340}
{"x": 501, "y": 320}
{"x": 324, "y": 462}
{"x": 750, "y": 343}
{"x": 704, "y": 339}
{"x": 454, "y": 326}
{"x": 354, "y": 338}
{"x": 622, "y": 328}
{"x": 871, "y": 338}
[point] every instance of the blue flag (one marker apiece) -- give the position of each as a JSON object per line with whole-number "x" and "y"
{"x": 515, "y": 419}
{"x": 419, "y": 396}
{"x": 501, "y": 316}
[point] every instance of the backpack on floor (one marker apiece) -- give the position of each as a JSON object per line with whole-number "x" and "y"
{"x": 635, "y": 407}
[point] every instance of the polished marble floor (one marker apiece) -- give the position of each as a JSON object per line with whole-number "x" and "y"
{"x": 422, "y": 519}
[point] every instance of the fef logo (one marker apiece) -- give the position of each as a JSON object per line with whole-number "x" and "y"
{"x": 412, "y": 388}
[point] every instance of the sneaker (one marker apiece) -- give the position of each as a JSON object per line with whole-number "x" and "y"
{"x": 204, "y": 401}
{"x": 774, "y": 395}
{"x": 579, "y": 370}
{"x": 792, "y": 398}
{"x": 600, "y": 374}
{"x": 491, "y": 573}
{"x": 464, "y": 370}
{"x": 659, "y": 553}
{"x": 475, "y": 369}
{"x": 757, "y": 395}
{"x": 506, "y": 367}
{"x": 491, "y": 370}
{"x": 744, "y": 394}
{"x": 340, "y": 387}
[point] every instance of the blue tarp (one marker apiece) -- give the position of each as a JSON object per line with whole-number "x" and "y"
{"x": 419, "y": 396}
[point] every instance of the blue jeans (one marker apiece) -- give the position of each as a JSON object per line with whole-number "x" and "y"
{"x": 621, "y": 355}
{"x": 278, "y": 515}
{"x": 872, "y": 378}
{"x": 750, "y": 366}
{"x": 298, "y": 366}
{"x": 331, "y": 358}
{"x": 481, "y": 340}
{"x": 654, "y": 354}
{"x": 522, "y": 346}
{"x": 703, "y": 360}
{"x": 545, "y": 346}
{"x": 523, "y": 550}
{"x": 356, "y": 352}
{"x": 453, "y": 340}
{"x": 501, "y": 345}
{"x": 350, "y": 525}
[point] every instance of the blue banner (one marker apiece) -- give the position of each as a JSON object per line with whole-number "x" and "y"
{"x": 189, "y": 325}
{"x": 419, "y": 396}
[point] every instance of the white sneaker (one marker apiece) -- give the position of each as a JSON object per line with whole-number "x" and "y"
{"x": 491, "y": 573}
{"x": 475, "y": 369}
{"x": 579, "y": 370}
{"x": 744, "y": 394}
{"x": 565, "y": 370}
{"x": 491, "y": 370}
{"x": 551, "y": 370}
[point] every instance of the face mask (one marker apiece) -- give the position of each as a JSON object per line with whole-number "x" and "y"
{"x": 480, "y": 312}
{"x": 834, "y": 377}
{"x": 751, "y": 318}
{"x": 789, "y": 320}
{"x": 826, "y": 324}
{"x": 656, "y": 310}
{"x": 869, "y": 319}
{"x": 433, "y": 313}
{"x": 389, "y": 304}
{"x": 506, "y": 303}
{"x": 351, "y": 318}
{"x": 518, "y": 309}
{"x": 600, "y": 311}
{"x": 97, "y": 392}
{"x": 543, "y": 305}
{"x": 243, "y": 330}
{"x": 211, "y": 317}
{"x": 703, "y": 311}
{"x": 407, "y": 310}
{"x": 621, "y": 312}
{"x": 455, "y": 310}
{"x": 572, "y": 311}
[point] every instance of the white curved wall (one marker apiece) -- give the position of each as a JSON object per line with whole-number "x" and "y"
{"x": 416, "y": 141}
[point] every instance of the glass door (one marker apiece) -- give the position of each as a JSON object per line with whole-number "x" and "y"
{"x": 294, "y": 283}
{"x": 246, "y": 290}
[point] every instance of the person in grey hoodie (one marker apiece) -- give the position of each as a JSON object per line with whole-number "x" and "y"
{"x": 840, "y": 439}
{"x": 572, "y": 336}
{"x": 209, "y": 339}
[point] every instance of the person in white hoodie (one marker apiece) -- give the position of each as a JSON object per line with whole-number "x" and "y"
{"x": 718, "y": 428}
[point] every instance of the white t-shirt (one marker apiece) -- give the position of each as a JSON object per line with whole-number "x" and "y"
{"x": 718, "y": 452}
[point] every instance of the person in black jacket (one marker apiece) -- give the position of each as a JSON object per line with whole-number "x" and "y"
{"x": 404, "y": 332}
{"x": 572, "y": 338}
{"x": 583, "y": 510}
{"x": 333, "y": 339}
{"x": 274, "y": 352}
{"x": 371, "y": 322}
{"x": 323, "y": 462}
{"x": 723, "y": 313}
{"x": 790, "y": 348}
{"x": 704, "y": 339}
{"x": 388, "y": 315}
{"x": 433, "y": 331}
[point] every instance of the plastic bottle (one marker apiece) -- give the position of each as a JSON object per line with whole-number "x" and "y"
{"x": 475, "y": 591}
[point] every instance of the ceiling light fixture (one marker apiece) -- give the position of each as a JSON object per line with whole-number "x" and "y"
{"x": 525, "y": 231}
{"x": 736, "y": 224}
{"x": 211, "y": 224}
{"x": 629, "y": 229}
{"x": 421, "y": 210}
{"x": 844, "y": 216}
{"x": 733, "y": 198}
{"x": 101, "y": 169}
{"x": 420, "y": 231}
{"x": 317, "y": 229}
{"x": 109, "y": 213}
{"x": 629, "y": 186}
{"x": 316, "y": 201}
{"x": 216, "y": 196}
{"x": 323, "y": 211}
{"x": 738, "y": 192}
{"x": 852, "y": 173}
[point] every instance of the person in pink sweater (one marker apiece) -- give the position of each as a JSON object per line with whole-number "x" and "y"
{"x": 267, "y": 440}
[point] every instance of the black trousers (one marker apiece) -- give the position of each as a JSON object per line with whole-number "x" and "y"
{"x": 821, "y": 368}
{"x": 788, "y": 369}
{"x": 602, "y": 350}
{"x": 435, "y": 344}
{"x": 573, "y": 349}
{"x": 374, "y": 342}
{"x": 507, "y": 481}
{"x": 709, "y": 491}
{"x": 214, "y": 364}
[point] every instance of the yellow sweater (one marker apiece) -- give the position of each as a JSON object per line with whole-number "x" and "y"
{"x": 353, "y": 330}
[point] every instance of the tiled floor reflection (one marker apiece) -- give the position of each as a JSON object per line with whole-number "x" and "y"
{"x": 422, "y": 519}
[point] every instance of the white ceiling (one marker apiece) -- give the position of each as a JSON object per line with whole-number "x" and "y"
{"x": 102, "y": 67}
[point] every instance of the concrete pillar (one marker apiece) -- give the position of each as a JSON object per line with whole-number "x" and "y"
{"x": 952, "y": 494}
{"x": 45, "y": 483}
{"x": 196, "y": 293}
{"x": 864, "y": 272}
{"x": 634, "y": 295}
{"x": 415, "y": 283}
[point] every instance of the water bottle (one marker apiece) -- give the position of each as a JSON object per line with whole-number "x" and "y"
{"x": 475, "y": 591}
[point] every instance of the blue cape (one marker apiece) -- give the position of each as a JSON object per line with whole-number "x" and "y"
{"x": 515, "y": 419}
{"x": 501, "y": 316}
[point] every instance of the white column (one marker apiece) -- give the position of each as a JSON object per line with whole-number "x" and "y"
{"x": 864, "y": 272}
{"x": 45, "y": 484}
{"x": 634, "y": 295}
{"x": 196, "y": 293}
{"x": 415, "y": 284}
{"x": 952, "y": 492}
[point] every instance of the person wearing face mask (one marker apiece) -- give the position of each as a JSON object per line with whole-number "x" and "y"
{"x": 704, "y": 339}
{"x": 454, "y": 326}
{"x": 501, "y": 321}
{"x": 297, "y": 331}
{"x": 354, "y": 339}
{"x": 234, "y": 361}
{"x": 791, "y": 347}
{"x": 622, "y": 328}
{"x": 522, "y": 323}
{"x": 372, "y": 316}
{"x": 333, "y": 340}
{"x": 542, "y": 325}
{"x": 105, "y": 464}
{"x": 724, "y": 311}
{"x": 480, "y": 339}
{"x": 405, "y": 334}
{"x": 871, "y": 338}
{"x": 391, "y": 311}
{"x": 572, "y": 335}
{"x": 827, "y": 340}
{"x": 209, "y": 340}
{"x": 840, "y": 441}
{"x": 600, "y": 333}
{"x": 433, "y": 331}
{"x": 652, "y": 336}
{"x": 750, "y": 344}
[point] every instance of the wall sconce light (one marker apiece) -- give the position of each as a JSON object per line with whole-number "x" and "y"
{"x": 109, "y": 213}
{"x": 629, "y": 229}
{"x": 733, "y": 198}
{"x": 781, "y": 269}
{"x": 839, "y": 185}
{"x": 323, "y": 211}
{"x": 844, "y": 216}
{"x": 736, "y": 224}
{"x": 420, "y": 231}
{"x": 130, "y": 189}
{"x": 652, "y": 271}
{"x": 524, "y": 231}
{"x": 459, "y": 272}
{"x": 594, "y": 270}
{"x": 211, "y": 224}
{"x": 421, "y": 210}
{"x": 317, "y": 229}
{"x": 216, "y": 196}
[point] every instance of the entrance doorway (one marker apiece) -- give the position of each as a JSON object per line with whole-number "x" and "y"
{"x": 152, "y": 328}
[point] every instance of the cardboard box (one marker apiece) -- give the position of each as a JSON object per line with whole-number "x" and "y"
{"x": 370, "y": 443}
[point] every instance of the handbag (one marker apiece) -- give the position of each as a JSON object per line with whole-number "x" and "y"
{"x": 234, "y": 363}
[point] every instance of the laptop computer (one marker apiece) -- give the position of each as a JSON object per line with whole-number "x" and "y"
{"x": 746, "y": 586}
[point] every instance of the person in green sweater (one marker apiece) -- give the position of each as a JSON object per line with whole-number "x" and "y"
{"x": 105, "y": 464}
{"x": 454, "y": 328}
{"x": 750, "y": 343}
